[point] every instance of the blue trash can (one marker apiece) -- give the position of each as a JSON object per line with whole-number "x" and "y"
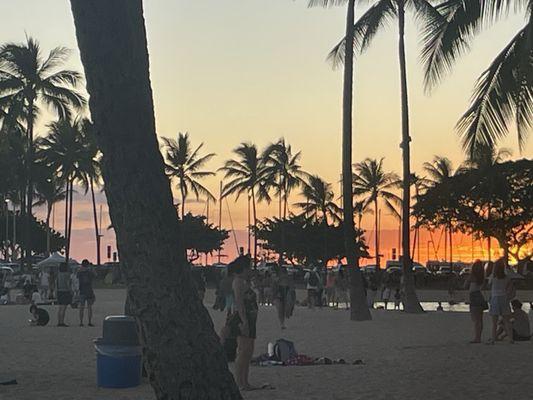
{"x": 118, "y": 354}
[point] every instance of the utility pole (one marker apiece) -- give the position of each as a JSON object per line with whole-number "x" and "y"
{"x": 220, "y": 215}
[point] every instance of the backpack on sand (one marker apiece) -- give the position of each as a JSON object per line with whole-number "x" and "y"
{"x": 284, "y": 350}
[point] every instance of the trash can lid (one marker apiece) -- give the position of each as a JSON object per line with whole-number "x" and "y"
{"x": 120, "y": 330}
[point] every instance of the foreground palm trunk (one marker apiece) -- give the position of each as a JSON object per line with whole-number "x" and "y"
{"x": 182, "y": 354}
{"x": 359, "y": 309}
{"x": 411, "y": 303}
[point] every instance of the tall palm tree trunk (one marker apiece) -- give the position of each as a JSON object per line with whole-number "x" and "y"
{"x": 182, "y": 352}
{"x": 183, "y": 195}
{"x": 96, "y": 227}
{"x": 28, "y": 209}
{"x": 376, "y": 235}
{"x": 48, "y": 214}
{"x": 359, "y": 309}
{"x": 70, "y": 209}
{"x": 411, "y": 303}
{"x": 66, "y": 212}
{"x": 450, "y": 233}
{"x": 254, "y": 214}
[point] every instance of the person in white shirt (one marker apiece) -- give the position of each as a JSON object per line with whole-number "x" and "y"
{"x": 36, "y": 297}
{"x": 501, "y": 285}
{"x": 45, "y": 278}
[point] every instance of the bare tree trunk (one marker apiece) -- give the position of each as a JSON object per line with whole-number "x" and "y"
{"x": 182, "y": 353}
{"x": 96, "y": 228}
{"x": 359, "y": 308}
{"x": 411, "y": 303}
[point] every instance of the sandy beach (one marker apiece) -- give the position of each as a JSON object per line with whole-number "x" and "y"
{"x": 404, "y": 357}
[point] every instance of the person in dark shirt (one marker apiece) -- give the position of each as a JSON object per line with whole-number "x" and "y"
{"x": 40, "y": 316}
{"x": 85, "y": 278}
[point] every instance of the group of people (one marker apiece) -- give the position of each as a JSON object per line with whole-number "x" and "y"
{"x": 507, "y": 317}
{"x": 68, "y": 288}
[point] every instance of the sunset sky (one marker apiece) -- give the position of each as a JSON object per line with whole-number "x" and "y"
{"x": 250, "y": 70}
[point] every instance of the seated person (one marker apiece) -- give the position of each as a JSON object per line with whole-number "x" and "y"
{"x": 40, "y": 316}
{"x": 520, "y": 321}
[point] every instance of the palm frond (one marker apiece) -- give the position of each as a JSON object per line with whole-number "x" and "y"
{"x": 502, "y": 88}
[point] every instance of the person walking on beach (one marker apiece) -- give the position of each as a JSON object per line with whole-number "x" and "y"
{"x": 312, "y": 280}
{"x": 226, "y": 288}
{"x": 501, "y": 287}
{"x": 64, "y": 293}
{"x": 85, "y": 278}
{"x": 330, "y": 288}
{"x": 476, "y": 299}
{"x": 244, "y": 320}
{"x": 341, "y": 289}
{"x": 281, "y": 294}
{"x": 44, "y": 284}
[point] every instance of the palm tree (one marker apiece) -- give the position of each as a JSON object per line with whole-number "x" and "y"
{"x": 49, "y": 190}
{"x": 62, "y": 150}
{"x": 319, "y": 206}
{"x": 28, "y": 79}
{"x": 283, "y": 168}
{"x": 371, "y": 182}
{"x": 161, "y": 292}
{"x": 440, "y": 171}
{"x": 503, "y": 94}
{"x": 247, "y": 175}
{"x": 359, "y": 309}
{"x": 184, "y": 164}
{"x": 89, "y": 168}
{"x": 365, "y": 29}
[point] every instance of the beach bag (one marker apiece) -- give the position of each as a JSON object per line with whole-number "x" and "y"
{"x": 313, "y": 279}
{"x": 284, "y": 350}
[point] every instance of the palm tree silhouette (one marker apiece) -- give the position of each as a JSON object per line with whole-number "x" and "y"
{"x": 63, "y": 151}
{"x": 247, "y": 175}
{"x": 503, "y": 94}
{"x": 283, "y": 168}
{"x": 90, "y": 170}
{"x": 440, "y": 171}
{"x": 49, "y": 190}
{"x": 359, "y": 309}
{"x": 372, "y": 183}
{"x": 184, "y": 164}
{"x": 319, "y": 206}
{"x": 28, "y": 79}
{"x": 365, "y": 30}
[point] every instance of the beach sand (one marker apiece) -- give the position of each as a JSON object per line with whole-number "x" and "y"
{"x": 405, "y": 357}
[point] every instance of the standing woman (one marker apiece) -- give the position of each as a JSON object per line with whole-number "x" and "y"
{"x": 244, "y": 320}
{"x": 501, "y": 285}
{"x": 64, "y": 293}
{"x": 477, "y": 301}
{"x": 281, "y": 294}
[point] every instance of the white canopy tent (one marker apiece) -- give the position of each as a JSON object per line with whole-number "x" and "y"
{"x": 54, "y": 261}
